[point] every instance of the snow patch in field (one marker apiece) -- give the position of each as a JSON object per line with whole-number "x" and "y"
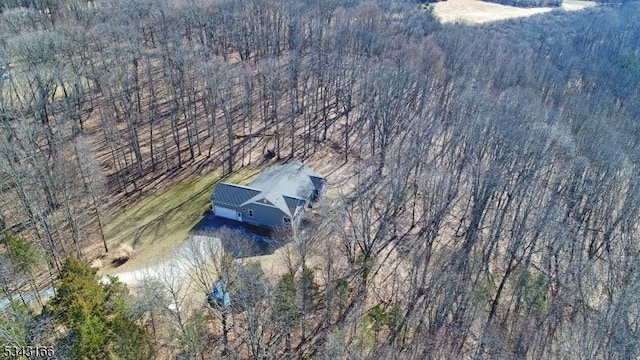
{"x": 477, "y": 12}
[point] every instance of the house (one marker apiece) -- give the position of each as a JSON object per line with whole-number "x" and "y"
{"x": 276, "y": 198}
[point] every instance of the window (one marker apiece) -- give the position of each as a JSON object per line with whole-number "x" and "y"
{"x": 250, "y": 212}
{"x": 287, "y": 220}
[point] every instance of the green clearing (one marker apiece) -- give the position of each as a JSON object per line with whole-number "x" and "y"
{"x": 160, "y": 222}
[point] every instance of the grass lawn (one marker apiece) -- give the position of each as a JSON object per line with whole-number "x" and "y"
{"x": 157, "y": 224}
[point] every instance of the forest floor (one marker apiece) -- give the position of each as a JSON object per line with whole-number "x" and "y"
{"x": 477, "y": 12}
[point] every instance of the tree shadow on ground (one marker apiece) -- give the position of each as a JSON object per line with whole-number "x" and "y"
{"x": 155, "y": 225}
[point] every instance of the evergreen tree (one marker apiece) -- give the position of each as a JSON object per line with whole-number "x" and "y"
{"x": 97, "y": 316}
{"x": 25, "y": 260}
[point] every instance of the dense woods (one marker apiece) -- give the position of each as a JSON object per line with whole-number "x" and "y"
{"x": 495, "y": 175}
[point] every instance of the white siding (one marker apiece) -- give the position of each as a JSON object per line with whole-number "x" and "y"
{"x": 225, "y": 212}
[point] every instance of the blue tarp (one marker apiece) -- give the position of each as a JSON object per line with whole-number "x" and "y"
{"x": 221, "y": 296}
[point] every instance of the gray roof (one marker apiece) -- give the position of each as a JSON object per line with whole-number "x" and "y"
{"x": 292, "y": 203}
{"x": 234, "y": 195}
{"x": 285, "y": 187}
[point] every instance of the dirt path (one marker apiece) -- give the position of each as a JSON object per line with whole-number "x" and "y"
{"x": 477, "y": 12}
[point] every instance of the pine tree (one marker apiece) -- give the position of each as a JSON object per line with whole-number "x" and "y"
{"x": 97, "y": 316}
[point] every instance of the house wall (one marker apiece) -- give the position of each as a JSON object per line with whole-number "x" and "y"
{"x": 297, "y": 217}
{"x": 263, "y": 215}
